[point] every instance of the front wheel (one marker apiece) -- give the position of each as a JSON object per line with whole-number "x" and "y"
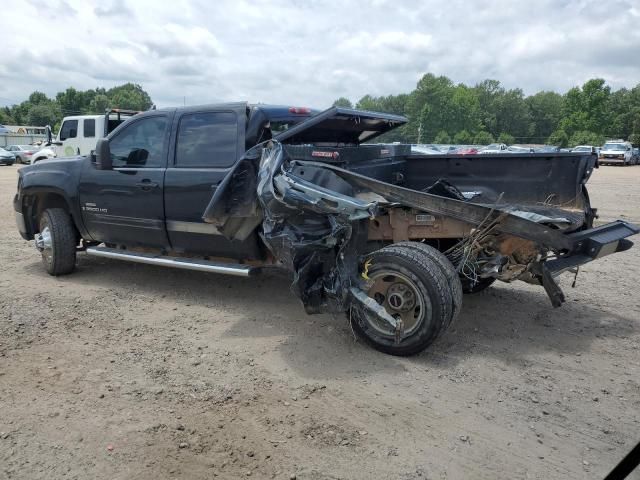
{"x": 57, "y": 241}
{"x": 411, "y": 287}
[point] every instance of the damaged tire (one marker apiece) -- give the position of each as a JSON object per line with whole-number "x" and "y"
{"x": 411, "y": 286}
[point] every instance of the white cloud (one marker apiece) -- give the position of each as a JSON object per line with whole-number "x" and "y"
{"x": 311, "y": 52}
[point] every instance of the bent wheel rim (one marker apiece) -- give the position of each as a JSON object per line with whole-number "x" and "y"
{"x": 401, "y": 298}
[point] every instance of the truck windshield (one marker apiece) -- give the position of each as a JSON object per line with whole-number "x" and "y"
{"x": 614, "y": 146}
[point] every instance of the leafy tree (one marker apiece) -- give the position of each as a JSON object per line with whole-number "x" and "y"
{"x": 482, "y": 138}
{"x": 506, "y": 138}
{"x": 99, "y": 103}
{"x": 488, "y": 92}
{"x": 442, "y": 137}
{"x": 584, "y": 137}
{"x": 546, "y": 113}
{"x": 437, "y": 109}
{"x": 428, "y": 106}
{"x": 587, "y": 108}
{"x": 129, "y": 96}
{"x": 5, "y": 116}
{"x": 74, "y": 102}
{"x": 39, "y": 98}
{"x": 512, "y": 114}
{"x": 559, "y": 138}
{"x": 71, "y": 101}
{"x": 343, "y": 102}
{"x": 463, "y": 138}
{"x": 41, "y": 115}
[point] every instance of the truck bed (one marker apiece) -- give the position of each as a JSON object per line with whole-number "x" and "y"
{"x": 539, "y": 186}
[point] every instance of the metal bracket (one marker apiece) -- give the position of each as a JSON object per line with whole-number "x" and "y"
{"x": 374, "y": 308}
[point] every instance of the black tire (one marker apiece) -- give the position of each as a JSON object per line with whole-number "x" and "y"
{"x": 60, "y": 257}
{"x": 432, "y": 300}
{"x": 453, "y": 279}
{"x": 18, "y": 160}
{"x": 479, "y": 286}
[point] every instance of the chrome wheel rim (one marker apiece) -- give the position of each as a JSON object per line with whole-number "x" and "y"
{"x": 44, "y": 244}
{"x": 401, "y": 298}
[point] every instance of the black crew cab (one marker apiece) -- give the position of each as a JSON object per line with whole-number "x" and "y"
{"x": 390, "y": 237}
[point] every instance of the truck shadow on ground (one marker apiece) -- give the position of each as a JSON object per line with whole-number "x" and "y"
{"x": 508, "y": 322}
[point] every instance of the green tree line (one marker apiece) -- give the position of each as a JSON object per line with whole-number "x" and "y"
{"x": 39, "y": 110}
{"x": 440, "y": 111}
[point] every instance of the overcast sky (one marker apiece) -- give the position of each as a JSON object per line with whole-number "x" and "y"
{"x": 310, "y": 52}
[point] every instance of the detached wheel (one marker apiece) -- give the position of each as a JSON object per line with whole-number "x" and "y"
{"x": 482, "y": 284}
{"x": 411, "y": 287}
{"x": 57, "y": 241}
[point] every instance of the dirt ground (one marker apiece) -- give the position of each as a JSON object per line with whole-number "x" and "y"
{"x": 124, "y": 371}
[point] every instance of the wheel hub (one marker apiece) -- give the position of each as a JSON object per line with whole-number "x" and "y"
{"x": 44, "y": 244}
{"x": 400, "y": 297}
{"x": 43, "y": 240}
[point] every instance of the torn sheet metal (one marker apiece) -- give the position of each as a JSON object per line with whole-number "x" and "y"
{"x": 468, "y": 212}
{"x": 313, "y": 217}
{"x": 309, "y": 229}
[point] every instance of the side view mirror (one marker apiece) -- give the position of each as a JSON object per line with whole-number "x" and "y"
{"x": 101, "y": 156}
{"x": 50, "y": 137}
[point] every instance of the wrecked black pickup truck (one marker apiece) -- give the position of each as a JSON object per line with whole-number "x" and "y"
{"x": 391, "y": 238}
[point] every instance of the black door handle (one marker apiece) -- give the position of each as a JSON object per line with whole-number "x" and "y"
{"x": 146, "y": 184}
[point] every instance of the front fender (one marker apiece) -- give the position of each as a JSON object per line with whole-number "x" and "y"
{"x": 50, "y": 179}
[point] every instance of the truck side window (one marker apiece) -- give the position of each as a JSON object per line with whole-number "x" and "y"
{"x": 69, "y": 129}
{"x": 90, "y": 128}
{"x": 140, "y": 144}
{"x": 207, "y": 140}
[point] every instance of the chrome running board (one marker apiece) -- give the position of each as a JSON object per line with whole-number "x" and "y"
{"x": 174, "y": 262}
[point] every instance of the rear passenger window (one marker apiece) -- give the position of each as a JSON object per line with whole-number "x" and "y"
{"x": 69, "y": 129}
{"x": 207, "y": 140}
{"x": 90, "y": 128}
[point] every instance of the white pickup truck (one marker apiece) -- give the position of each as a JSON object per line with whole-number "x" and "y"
{"x": 78, "y": 134}
{"x": 617, "y": 151}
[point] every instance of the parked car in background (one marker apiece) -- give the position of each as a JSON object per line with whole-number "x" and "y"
{"x": 636, "y": 155}
{"x": 466, "y": 150}
{"x": 4, "y": 129}
{"x": 43, "y": 154}
{"x": 6, "y": 157}
{"x": 546, "y": 149}
{"x": 494, "y": 148}
{"x": 517, "y": 149}
{"x": 584, "y": 148}
{"x": 425, "y": 150}
{"x": 616, "y": 152}
{"x": 23, "y": 153}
